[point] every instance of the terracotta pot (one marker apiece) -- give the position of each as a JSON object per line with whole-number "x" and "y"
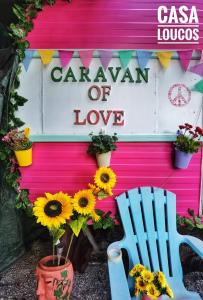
{"x": 145, "y": 297}
{"x": 103, "y": 159}
{"x": 24, "y": 157}
{"x": 54, "y": 280}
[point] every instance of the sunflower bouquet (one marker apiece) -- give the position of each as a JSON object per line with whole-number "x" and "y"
{"x": 57, "y": 211}
{"x": 150, "y": 284}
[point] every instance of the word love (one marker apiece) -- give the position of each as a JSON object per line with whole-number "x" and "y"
{"x": 94, "y": 117}
{"x": 177, "y": 25}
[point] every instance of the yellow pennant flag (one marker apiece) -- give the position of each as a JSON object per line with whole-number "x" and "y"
{"x": 164, "y": 58}
{"x": 46, "y": 55}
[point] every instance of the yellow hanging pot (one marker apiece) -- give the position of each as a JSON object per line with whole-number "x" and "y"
{"x": 24, "y": 157}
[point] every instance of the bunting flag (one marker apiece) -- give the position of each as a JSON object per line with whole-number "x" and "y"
{"x": 199, "y": 86}
{"x": 185, "y": 57}
{"x": 28, "y": 57}
{"x": 143, "y": 57}
{"x": 46, "y": 55}
{"x": 105, "y": 57}
{"x": 164, "y": 58}
{"x": 86, "y": 57}
{"x": 197, "y": 69}
{"x": 125, "y": 56}
{"x": 65, "y": 57}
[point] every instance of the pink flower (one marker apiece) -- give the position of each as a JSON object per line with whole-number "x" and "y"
{"x": 5, "y": 138}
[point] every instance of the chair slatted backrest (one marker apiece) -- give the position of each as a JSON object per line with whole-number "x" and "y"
{"x": 148, "y": 216}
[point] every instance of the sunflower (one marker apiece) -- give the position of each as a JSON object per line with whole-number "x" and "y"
{"x": 147, "y": 276}
{"x": 161, "y": 278}
{"x": 152, "y": 291}
{"x": 169, "y": 291}
{"x": 95, "y": 216}
{"x": 140, "y": 284}
{"x": 84, "y": 202}
{"x": 53, "y": 210}
{"x": 105, "y": 178}
{"x": 136, "y": 269}
{"x": 94, "y": 188}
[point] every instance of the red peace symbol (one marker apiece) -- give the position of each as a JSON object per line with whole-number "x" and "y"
{"x": 179, "y": 94}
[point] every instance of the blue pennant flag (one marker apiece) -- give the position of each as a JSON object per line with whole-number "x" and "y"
{"x": 28, "y": 56}
{"x": 143, "y": 57}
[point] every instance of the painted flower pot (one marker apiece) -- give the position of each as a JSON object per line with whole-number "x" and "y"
{"x": 103, "y": 159}
{"x": 24, "y": 157}
{"x": 145, "y": 297}
{"x": 182, "y": 159}
{"x": 54, "y": 282}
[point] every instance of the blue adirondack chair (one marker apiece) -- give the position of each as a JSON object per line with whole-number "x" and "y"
{"x": 148, "y": 216}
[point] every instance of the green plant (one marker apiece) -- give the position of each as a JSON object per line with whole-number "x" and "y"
{"x": 102, "y": 143}
{"x": 188, "y": 138}
{"x": 190, "y": 223}
{"x": 18, "y": 139}
{"x": 105, "y": 221}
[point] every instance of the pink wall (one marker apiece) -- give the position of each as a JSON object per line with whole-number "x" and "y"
{"x": 67, "y": 167}
{"x": 104, "y": 24}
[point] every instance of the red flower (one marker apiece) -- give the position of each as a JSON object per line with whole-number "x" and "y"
{"x": 191, "y": 132}
{"x": 199, "y": 130}
{"x": 188, "y": 126}
{"x": 181, "y": 127}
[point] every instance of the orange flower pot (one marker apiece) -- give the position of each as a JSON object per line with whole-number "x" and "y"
{"x": 54, "y": 280}
{"x": 24, "y": 157}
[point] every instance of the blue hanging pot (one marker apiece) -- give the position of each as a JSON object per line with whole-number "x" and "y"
{"x": 182, "y": 159}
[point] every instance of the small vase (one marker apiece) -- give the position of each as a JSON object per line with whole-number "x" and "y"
{"x": 182, "y": 159}
{"x": 103, "y": 159}
{"x": 145, "y": 297}
{"x": 54, "y": 282}
{"x": 24, "y": 157}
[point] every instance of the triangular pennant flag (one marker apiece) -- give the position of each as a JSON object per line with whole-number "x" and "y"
{"x": 46, "y": 55}
{"x": 185, "y": 57}
{"x": 28, "y": 57}
{"x": 143, "y": 57}
{"x": 65, "y": 57}
{"x": 199, "y": 86}
{"x": 125, "y": 56}
{"x": 164, "y": 58}
{"x": 105, "y": 57}
{"x": 197, "y": 69}
{"x": 86, "y": 57}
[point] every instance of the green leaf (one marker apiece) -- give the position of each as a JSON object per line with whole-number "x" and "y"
{"x": 200, "y": 226}
{"x": 57, "y": 235}
{"x": 2, "y": 156}
{"x": 64, "y": 273}
{"x": 77, "y": 225}
{"x": 102, "y": 195}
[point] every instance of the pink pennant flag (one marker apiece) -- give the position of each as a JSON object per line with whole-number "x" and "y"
{"x": 105, "y": 57}
{"x": 197, "y": 69}
{"x": 65, "y": 57}
{"x": 86, "y": 57}
{"x": 185, "y": 57}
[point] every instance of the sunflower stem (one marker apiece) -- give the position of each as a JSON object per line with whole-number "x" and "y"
{"x": 69, "y": 246}
{"x": 53, "y": 249}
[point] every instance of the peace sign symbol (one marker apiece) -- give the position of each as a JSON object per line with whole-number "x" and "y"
{"x": 179, "y": 94}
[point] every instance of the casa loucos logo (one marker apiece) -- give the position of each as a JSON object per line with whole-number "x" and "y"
{"x": 177, "y": 25}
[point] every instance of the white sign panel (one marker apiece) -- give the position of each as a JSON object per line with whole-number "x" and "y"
{"x": 75, "y": 101}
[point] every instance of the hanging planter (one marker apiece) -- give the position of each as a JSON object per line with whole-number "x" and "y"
{"x": 102, "y": 145}
{"x": 187, "y": 143}
{"x": 54, "y": 281}
{"x": 103, "y": 159}
{"x": 182, "y": 159}
{"x": 24, "y": 157}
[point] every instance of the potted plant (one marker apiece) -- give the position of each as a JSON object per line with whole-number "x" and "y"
{"x": 20, "y": 143}
{"x": 102, "y": 145}
{"x": 149, "y": 285}
{"x": 61, "y": 211}
{"x": 187, "y": 143}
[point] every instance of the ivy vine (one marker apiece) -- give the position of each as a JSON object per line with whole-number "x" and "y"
{"x": 25, "y": 12}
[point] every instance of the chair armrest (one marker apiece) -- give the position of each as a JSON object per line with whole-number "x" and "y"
{"x": 194, "y": 243}
{"x": 118, "y": 280}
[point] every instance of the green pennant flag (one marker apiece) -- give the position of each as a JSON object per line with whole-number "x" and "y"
{"x": 199, "y": 86}
{"x": 125, "y": 56}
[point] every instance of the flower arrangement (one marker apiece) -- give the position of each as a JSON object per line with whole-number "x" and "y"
{"x": 18, "y": 140}
{"x": 188, "y": 138}
{"x": 102, "y": 143}
{"x": 56, "y": 211}
{"x": 150, "y": 284}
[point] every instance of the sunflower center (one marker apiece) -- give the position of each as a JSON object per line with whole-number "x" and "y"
{"x": 83, "y": 202}
{"x": 53, "y": 208}
{"x": 104, "y": 177}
